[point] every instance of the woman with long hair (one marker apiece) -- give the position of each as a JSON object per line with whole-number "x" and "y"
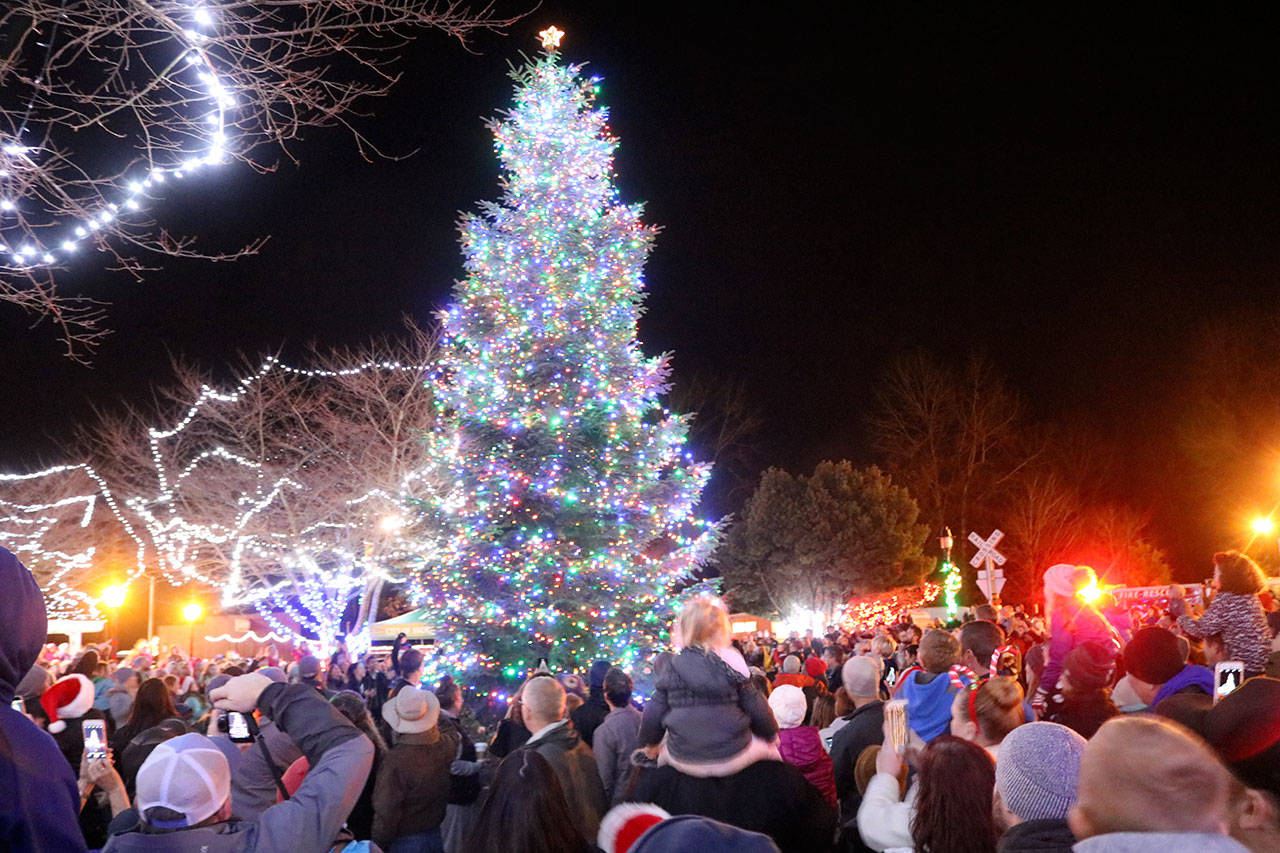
{"x": 152, "y": 705}
{"x": 356, "y": 674}
{"x": 946, "y": 810}
{"x": 953, "y": 802}
{"x": 1235, "y": 612}
{"x": 525, "y": 811}
{"x": 336, "y": 678}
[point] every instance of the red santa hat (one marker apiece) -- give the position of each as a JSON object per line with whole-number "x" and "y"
{"x": 70, "y": 696}
{"x": 623, "y": 825}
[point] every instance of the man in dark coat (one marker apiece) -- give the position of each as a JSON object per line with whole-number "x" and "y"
{"x": 770, "y": 797}
{"x": 863, "y": 727}
{"x": 591, "y": 713}
{"x": 542, "y": 706}
{"x": 40, "y": 803}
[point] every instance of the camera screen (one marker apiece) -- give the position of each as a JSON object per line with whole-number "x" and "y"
{"x": 237, "y": 727}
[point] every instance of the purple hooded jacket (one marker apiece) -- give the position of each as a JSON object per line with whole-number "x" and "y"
{"x": 40, "y": 803}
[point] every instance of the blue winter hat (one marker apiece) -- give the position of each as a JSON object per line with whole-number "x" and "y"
{"x": 1037, "y": 770}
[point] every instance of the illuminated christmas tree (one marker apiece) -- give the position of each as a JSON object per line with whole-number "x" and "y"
{"x": 567, "y": 512}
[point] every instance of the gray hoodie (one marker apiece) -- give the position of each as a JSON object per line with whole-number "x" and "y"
{"x": 1160, "y": 842}
{"x": 340, "y": 758}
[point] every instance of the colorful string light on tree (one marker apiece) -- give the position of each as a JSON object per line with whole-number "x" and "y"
{"x": 567, "y": 525}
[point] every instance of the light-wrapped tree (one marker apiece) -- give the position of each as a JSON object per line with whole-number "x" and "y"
{"x": 568, "y": 527}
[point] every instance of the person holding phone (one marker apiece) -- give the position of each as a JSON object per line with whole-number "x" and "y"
{"x": 39, "y": 803}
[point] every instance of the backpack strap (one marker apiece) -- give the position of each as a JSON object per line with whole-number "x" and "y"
{"x": 275, "y": 770}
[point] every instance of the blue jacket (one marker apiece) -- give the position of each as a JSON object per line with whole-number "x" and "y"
{"x": 40, "y": 802}
{"x": 928, "y": 705}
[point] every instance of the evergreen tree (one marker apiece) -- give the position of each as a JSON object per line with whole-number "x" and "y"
{"x": 566, "y": 518}
{"x": 806, "y": 544}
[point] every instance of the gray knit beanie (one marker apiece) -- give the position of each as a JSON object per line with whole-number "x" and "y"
{"x": 1037, "y": 769}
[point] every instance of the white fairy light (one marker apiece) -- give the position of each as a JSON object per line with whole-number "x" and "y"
{"x": 212, "y": 149}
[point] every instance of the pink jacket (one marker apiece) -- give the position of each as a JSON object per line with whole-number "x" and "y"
{"x": 802, "y": 747}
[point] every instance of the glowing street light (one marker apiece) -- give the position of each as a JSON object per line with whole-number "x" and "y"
{"x": 192, "y": 612}
{"x": 1263, "y": 525}
{"x": 114, "y": 596}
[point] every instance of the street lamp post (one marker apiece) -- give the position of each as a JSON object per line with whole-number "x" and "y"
{"x": 113, "y": 598}
{"x": 191, "y": 612}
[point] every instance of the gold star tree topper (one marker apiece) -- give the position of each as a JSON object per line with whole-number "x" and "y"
{"x": 551, "y": 38}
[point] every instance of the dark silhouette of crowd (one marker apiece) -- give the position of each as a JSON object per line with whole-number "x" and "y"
{"x": 1097, "y": 724}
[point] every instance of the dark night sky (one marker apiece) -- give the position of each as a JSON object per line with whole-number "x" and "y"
{"x": 1070, "y": 192}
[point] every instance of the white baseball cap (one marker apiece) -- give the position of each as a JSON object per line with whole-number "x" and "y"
{"x": 186, "y": 774}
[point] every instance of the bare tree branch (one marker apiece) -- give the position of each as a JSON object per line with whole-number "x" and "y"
{"x": 103, "y": 102}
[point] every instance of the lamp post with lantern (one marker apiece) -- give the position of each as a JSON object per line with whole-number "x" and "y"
{"x": 113, "y": 598}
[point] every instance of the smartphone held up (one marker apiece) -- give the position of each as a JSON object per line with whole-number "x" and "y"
{"x": 1227, "y": 676}
{"x": 95, "y": 738}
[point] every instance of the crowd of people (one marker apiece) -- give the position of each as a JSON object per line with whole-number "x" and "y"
{"x": 1092, "y": 728}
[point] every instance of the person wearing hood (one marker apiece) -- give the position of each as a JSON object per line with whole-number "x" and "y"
{"x": 411, "y": 794}
{"x": 184, "y": 787}
{"x": 543, "y": 709}
{"x": 1157, "y": 669}
{"x": 121, "y": 693}
{"x": 591, "y": 713}
{"x": 40, "y": 802}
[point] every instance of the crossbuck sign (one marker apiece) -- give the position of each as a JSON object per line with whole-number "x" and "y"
{"x": 991, "y": 579}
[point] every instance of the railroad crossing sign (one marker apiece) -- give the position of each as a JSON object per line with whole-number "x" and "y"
{"x": 991, "y": 579}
